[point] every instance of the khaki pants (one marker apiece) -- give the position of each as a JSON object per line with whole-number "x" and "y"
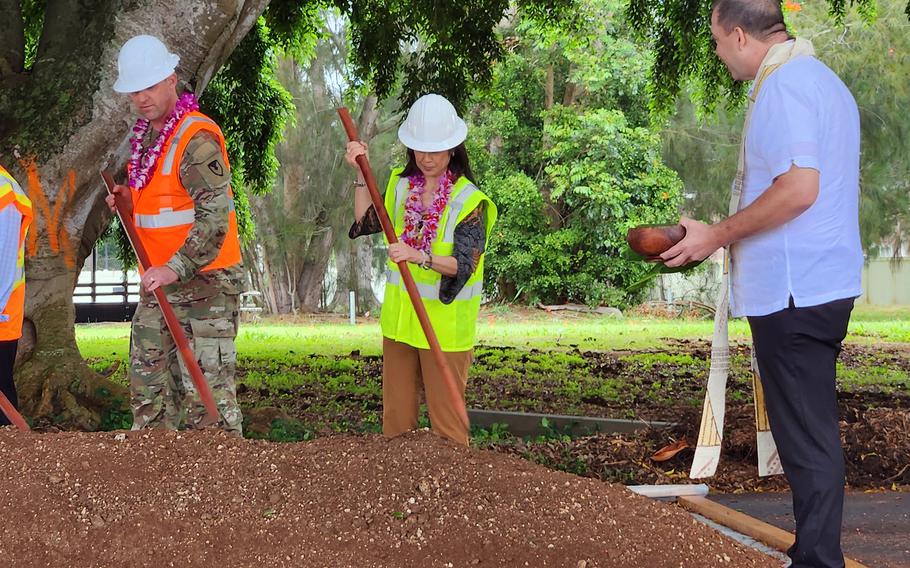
{"x": 406, "y": 371}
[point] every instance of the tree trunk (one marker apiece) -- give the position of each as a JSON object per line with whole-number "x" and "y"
{"x": 312, "y": 273}
{"x": 271, "y": 262}
{"x": 548, "y": 87}
{"x": 551, "y": 208}
{"x": 260, "y": 272}
{"x": 362, "y": 266}
{"x": 354, "y": 262}
{"x": 60, "y": 122}
{"x": 344, "y": 282}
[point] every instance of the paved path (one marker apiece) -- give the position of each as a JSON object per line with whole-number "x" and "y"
{"x": 876, "y": 525}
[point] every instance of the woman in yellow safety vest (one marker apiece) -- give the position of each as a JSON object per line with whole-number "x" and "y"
{"x": 443, "y": 222}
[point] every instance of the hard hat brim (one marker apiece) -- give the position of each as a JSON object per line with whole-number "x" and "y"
{"x": 457, "y": 137}
{"x": 128, "y": 85}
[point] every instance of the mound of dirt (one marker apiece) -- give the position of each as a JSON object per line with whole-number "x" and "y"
{"x": 204, "y": 499}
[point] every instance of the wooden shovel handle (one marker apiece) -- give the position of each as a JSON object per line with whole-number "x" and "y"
{"x": 10, "y": 411}
{"x": 123, "y": 206}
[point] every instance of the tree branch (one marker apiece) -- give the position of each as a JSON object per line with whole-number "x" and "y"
{"x": 369, "y": 114}
{"x": 233, "y": 34}
{"x": 548, "y": 87}
{"x": 570, "y": 95}
{"x": 63, "y": 22}
{"x": 12, "y": 40}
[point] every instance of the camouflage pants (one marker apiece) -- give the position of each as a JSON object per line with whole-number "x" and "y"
{"x": 162, "y": 391}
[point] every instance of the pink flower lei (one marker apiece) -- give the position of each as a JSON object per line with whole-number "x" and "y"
{"x": 142, "y": 162}
{"x": 414, "y": 211}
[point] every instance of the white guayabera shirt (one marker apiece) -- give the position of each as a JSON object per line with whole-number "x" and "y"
{"x": 806, "y": 116}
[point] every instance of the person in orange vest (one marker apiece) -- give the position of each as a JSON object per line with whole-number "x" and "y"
{"x": 183, "y": 210}
{"x": 15, "y": 218}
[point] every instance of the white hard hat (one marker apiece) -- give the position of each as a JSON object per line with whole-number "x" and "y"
{"x": 143, "y": 61}
{"x": 432, "y": 125}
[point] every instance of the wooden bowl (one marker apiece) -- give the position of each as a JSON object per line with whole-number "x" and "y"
{"x": 652, "y": 240}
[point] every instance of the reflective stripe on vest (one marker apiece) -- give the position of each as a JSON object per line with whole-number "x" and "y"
{"x": 168, "y": 164}
{"x": 455, "y": 207}
{"x": 401, "y": 191}
{"x": 163, "y": 210}
{"x": 12, "y": 194}
{"x": 18, "y": 193}
{"x": 431, "y": 291}
{"x": 455, "y": 322}
{"x": 167, "y": 217}
{"x": 21, "y": 201}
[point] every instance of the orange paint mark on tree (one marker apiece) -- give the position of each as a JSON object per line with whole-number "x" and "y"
{"x": 58, "y": 238}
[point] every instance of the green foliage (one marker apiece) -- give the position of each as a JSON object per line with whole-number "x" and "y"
{"x": 289, "y": 431}
{"x": 449, "y": 48}
{"x": 705, "y": 154}
{"x": 115, "y": 235}
{"x": 679, "y": 33}
{"x": 252, "y": 108}
{"x": 442, "y": 47}
{"x": 570, "y": 177}
{"x": 877, "y": 376}
{"x": 294, "y": 26}
{"x": 871, "y": 59}
{"x": 496, "y": 433}
{"x": 117, "y": 416}
{"x": 33, "y": 18}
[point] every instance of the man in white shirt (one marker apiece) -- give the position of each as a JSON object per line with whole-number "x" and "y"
{"x": 796, "y": 258}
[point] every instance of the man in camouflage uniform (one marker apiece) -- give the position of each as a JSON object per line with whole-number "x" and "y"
{"x": 204, "y": 277}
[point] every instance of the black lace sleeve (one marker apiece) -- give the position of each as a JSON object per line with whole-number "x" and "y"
{"x": 470, "y": 243}
{"x": 368, "y": 225}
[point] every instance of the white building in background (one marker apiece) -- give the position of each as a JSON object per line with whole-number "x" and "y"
{"x": 886, "y": 282}
{"x": 104, "y": 290}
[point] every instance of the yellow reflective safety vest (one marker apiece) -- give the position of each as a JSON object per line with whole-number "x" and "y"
{"x": 12, "y": 194}
{"x": 455, "y": 324}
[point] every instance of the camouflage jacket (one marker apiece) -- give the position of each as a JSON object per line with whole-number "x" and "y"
{"x": 208, "y": 186}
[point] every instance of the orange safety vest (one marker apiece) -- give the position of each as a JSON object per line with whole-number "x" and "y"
{"x": 163, "y": 210}
{"x": 12, "y": 194}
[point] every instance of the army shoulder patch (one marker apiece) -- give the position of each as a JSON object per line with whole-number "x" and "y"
{"x": 216, "y": 168}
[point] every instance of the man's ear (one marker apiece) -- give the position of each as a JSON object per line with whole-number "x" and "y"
{"x": 740, "y": 37}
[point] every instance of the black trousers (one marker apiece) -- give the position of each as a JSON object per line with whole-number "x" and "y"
{"x": 796, "y": 350}
{"x": 7, "y": 386}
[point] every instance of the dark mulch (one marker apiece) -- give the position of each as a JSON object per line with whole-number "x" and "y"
{"x": 876, "y": 452}
{"x": 658, "y": 384}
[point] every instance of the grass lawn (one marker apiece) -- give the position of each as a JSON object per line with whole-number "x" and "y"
{"x": 290, "y": 339}
{"x": 325, "y": 374}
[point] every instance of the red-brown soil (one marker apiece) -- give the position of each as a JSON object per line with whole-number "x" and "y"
{"x": 204, "y": 499}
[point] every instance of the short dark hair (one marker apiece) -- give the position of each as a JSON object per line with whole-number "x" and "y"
{"x": 758, "y": 18}
{"x": 458, "y": 164}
